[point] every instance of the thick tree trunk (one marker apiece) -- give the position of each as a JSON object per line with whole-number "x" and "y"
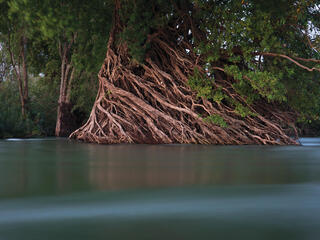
{"x": 66, "y": 122}
{"x": 153, "y": 103}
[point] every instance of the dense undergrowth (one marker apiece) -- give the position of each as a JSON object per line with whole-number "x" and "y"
{"x": 42, "y": 108}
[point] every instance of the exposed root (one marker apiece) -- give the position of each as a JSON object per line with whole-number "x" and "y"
{"x": 152, "y": 103}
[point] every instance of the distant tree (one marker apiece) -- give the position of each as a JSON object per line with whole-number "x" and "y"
{"x": 76, "y": 28}
{"x": 14, "y": 39}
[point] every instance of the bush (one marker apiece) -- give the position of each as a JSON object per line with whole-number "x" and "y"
{"x": 42, "y": 109}
{"x": 44, "y": 96}
{"x": 12, "y": 124}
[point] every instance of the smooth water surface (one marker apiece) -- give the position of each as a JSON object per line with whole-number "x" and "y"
{"x": 59, "y": 189}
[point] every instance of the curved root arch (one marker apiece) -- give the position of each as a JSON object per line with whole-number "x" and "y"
{"x": 152, "y": 103}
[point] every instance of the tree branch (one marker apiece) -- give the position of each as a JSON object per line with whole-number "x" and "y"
{"x": 291, "y": 60}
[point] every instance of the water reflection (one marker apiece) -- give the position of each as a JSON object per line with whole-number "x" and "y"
{"x": 57, "y": 167}
{"x": 58, "y": 189}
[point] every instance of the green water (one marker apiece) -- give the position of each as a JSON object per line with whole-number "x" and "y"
{"x": 58, "y": 189}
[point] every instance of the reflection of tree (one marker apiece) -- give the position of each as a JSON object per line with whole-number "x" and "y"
{"x": 152, "y": 167}
{"x": 59, "y": 167}
{"x": 14, "y": 177}
{"x": 21, "y": 170}
{"x": 71, "y": 167}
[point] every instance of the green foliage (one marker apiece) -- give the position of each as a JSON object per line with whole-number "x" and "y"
{"x": 42, "y": 109}
{"x": 216, "y": 119}
{"x": 237, "y": 31}
{"x": 306, "y": 100}
{"x": 43, "y": 105}
{"x": 12, "y": 124}
{"x": 218, "y": 96}
{"x": 235, "y": 34}
{"x": 83, "y": 95}
{"x": 141, "y": 19}
{"x": 200, "y": 83}
{"x": 242, "y": 110}
{"x": 267, "y": 85}
{"x": 49, "y": 25}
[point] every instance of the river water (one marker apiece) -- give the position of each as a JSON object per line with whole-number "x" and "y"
{"x": 59, "y": 189}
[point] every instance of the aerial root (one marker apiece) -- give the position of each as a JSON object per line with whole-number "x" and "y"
{"x": 152, "y": 103}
